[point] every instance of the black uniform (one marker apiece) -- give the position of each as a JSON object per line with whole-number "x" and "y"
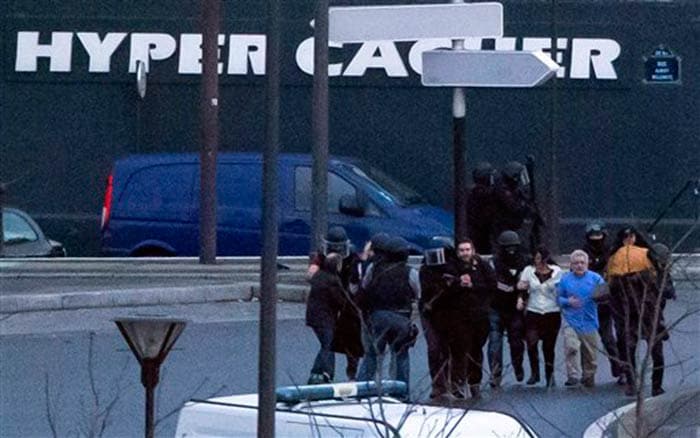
{"x": 503, "y": 315}
{"x": 598, "y": 254}
{"x": 322, "y": 307}
{"x": 480, "y": 208}
{"x": 347, "y": 337}
{"x": 511, "y": 207}
{"x": 434, "y": 282}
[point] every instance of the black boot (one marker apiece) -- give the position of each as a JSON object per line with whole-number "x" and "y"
{"x": 534, "y": 378}
{"x": 550, "y": 381}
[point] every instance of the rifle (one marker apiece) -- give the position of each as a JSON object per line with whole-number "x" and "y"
{"x": 537, "y": 220}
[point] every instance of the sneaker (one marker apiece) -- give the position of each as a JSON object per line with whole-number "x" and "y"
{"x": 657, "y": 391}
{"x": 534, "y": 379}
{"x": 495, "y": 382}
{"x": 588, "y": 382}
{"x": 571, "y": 381}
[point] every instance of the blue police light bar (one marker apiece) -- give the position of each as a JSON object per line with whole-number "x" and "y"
{"x": 297, "y": 394}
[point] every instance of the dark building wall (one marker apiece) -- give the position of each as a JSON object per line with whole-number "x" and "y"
{"x": 622, "y": 147}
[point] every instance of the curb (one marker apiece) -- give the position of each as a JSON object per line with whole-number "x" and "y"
{"x": 242, "y": 291}
{"x": 657, "y": 410}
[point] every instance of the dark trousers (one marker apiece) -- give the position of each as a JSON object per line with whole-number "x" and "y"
{"x": 608, "y": 338}
{"x": 477, "y": 336}
{"x": 325, "y": 359}
{"x": 437, "y": 357}
{"x": 513, "y": 324}
{"x": 387, "y": 328}
{"x": 626, "y": 295}
{"x": 544, "y": 327}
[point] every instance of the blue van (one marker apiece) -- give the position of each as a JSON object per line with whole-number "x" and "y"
{"x": 151, "y": 205}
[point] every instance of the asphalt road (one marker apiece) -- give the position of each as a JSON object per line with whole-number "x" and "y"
{"x": 52, "y": 356}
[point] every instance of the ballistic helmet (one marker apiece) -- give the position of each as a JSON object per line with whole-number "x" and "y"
{"x": 660, "y": 254}
{"x": 436, "y": 251}
{"x": 508, "y": 238}
{"x": 483, "y": 173}
{"x": 337, "y": 241}
{"x": 515, "y": 171}
{"x": 397, "y": 247}
{"x": 595, "y": 230}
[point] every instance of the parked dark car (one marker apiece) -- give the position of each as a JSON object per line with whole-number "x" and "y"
{"x": 23, "y": 237}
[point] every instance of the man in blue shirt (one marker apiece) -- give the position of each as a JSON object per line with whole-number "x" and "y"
{"x": 576, "y": 293}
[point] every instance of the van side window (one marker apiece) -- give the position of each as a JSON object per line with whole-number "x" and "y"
{"x": 337, "y": 187}
{"x": 239, "y": 185}
{"x": 159, "y": 192}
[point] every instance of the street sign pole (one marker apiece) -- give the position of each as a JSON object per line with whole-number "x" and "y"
{"x": 459, "y": 151}
{"x": 267, "y": 356}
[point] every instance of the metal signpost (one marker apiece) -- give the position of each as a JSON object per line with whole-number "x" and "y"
{"x": 448, "y": 68}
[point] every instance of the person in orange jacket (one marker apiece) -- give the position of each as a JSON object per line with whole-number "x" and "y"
{"x": 631, "y": 277}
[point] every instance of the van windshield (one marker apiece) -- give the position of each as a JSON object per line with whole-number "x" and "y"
{"x": 388, "y": 187}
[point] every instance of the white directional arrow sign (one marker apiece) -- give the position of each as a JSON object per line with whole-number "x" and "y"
{"x": 486, "y": 68}
{"x": 357, "y": 24}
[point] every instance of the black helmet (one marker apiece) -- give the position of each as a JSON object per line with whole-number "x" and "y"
{"x": 397, "y": 247}
{"x": 513, "y": 170}
{"x": 336, "y": 240}
{"x": 595, "y": 229}
{"x": 508, "y": 238}
{"x": 379, "y": 242}
{"x": 437, "y": 251}
{"x": 660, "y": 254}
{"x": 483, "y": 173}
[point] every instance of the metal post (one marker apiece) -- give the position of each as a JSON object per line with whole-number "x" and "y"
{"x": 149, "y": 379}
{"x": 458, "y": 153}
{"x": 209, "y": 130}
{"x": 319, "y": 123}
{"x": 268, "y": 286}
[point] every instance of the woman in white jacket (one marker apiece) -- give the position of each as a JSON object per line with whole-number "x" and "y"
{"x": 542, "y": 316}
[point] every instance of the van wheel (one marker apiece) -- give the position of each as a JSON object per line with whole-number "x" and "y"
{"x": 152, "y": 252}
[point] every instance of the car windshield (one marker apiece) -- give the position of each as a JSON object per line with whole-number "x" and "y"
{"x": 388, "y": 187}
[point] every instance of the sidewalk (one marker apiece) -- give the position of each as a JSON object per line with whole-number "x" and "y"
{"x": 60, "y": 284}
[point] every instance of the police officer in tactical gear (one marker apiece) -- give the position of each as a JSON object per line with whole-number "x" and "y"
{"x": 436, "y": 275}
{"x": 508, "y": 263}
{"x": 389, "y": 289}
{"x": 654, "y": 329}
{"x": 347, "y": 338}
{"x": 598, "y": 252}
{"x": 480, "y": 207}
{"x": 511, "y": 203}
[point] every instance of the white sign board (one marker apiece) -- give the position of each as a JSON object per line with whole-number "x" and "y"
{"x": 356, "y": 24}
{"x": 486, "y": 68}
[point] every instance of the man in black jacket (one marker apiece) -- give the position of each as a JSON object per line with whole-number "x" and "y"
{"x": 471, "y": 294}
